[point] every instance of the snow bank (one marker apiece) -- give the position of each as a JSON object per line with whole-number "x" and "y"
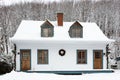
{"x": 40, "y": 76}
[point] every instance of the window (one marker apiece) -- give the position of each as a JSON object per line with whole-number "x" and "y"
{"x": 47, "y": 32}
{"x": 47, "y": 29}
{"x": 76, "y": 30}
{"x": 81, "y": 56}
{"x": 98, "y": 54}
{"x": 42, "y": 56}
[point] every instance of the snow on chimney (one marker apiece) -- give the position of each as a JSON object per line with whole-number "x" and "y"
{"x": 60, "y": 19}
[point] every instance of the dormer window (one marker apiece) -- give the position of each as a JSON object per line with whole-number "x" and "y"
{"x": 46, "y": 32}
{"x": 76, "y": 30}
{"x": 47, "y": 29}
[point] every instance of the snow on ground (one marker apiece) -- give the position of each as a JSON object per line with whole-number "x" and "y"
{"x": 48, "y": 76}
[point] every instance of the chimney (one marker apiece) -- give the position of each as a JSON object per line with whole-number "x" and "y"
{"x": 60, "y": 19}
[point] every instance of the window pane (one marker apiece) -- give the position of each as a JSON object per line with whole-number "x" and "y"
{"x": 46, "y": 56}
{"x": 25, "y": 55}
{"x": 77, "y": 32}
{"x": 81, "y": 57}
{"x": 42, "y": 56}
{"x": 97, "y": 55}
{"x": 45, "y": 32}
{"x": 73, "y": 32}
{"x": 50, "y": 32}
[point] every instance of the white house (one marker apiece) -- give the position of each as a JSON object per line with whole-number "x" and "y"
{"x": 58, "y": 46}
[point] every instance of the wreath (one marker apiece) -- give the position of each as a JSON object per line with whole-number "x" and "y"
{"x": 62, "y": 52}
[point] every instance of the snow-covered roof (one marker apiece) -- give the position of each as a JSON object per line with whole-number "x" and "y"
{"x": 30, "y": 30}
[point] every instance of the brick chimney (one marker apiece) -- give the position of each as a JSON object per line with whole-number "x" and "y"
{"x": 60, "y": 19}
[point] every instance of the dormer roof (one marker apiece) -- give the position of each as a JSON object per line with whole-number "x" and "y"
{"x": 47, "y": 22}
{"x": 76, "y": 23}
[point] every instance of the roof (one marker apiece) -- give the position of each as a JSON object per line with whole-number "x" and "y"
{"x": 30, "y": 30}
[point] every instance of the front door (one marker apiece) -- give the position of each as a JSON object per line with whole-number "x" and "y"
{"x": 25, "y": 59}
{"x": 98, "y": 59}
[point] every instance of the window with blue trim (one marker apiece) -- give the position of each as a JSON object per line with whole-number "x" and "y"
{"x": 81, "y": 56}
{"x": 42, "y": 56}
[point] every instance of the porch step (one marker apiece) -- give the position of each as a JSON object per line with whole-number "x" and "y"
{"x": 73, "y": 72}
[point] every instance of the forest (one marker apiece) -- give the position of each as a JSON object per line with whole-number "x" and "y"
{"x": 106, "y": 13}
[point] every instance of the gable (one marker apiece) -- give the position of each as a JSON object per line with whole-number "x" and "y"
{"x": 47, "y": 24}
{"x": 76, "y": 23}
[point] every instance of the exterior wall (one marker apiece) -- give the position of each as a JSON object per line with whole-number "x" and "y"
{"x": 68, "y": 62}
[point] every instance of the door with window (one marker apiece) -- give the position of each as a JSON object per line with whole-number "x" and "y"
{"x": 25, "y": 59}
{"x": 98, "y": 64}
